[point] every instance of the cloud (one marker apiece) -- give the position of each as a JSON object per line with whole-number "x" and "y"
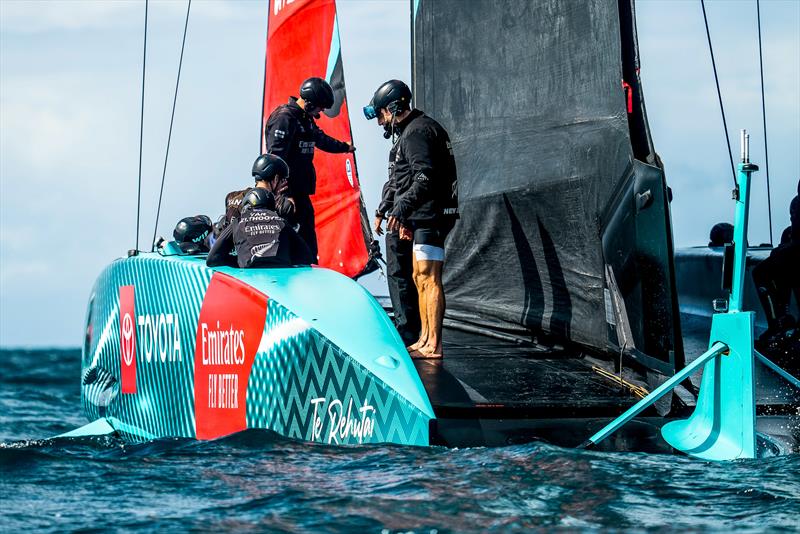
{"x": 27, "y": 17}
{"x": 69, "y": 124}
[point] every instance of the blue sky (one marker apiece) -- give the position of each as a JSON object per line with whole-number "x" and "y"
{"x": 69, "y": 126}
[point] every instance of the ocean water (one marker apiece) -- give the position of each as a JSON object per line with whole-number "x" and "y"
{"x": 258, "y": 481}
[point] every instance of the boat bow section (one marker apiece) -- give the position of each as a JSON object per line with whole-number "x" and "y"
{"x": 174, "y": 348}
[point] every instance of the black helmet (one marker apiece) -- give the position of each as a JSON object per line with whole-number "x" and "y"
{"x": 191, "y": 232}
{"x": 393, "y": 95}
{"x": 258, "y": 197}
{"x": 268, "y": 166}
{"x": 317, "y": 92}
{"x": 721, "y": 233}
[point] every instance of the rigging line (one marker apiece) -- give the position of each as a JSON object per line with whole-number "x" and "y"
{"x": 764, "y": 118}
{"x": 141, "y": 129}
{"x": 171, "y": 121}
{"x": 262, "y": 138}
{"x": 719, "y": 94}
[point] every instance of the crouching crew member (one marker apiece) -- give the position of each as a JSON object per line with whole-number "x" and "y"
{"x": 425, "y": 201}
{"x": 292, "y": 134}
{"x": 267, "y": 172}
{"x": 776, "y": 278}
{"x": 259, "y": 236}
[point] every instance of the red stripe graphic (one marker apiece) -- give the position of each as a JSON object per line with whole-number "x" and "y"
{"x": 298, "y": 47}
{"x": 228, "y": 334}
{"x": 127, "y": 338}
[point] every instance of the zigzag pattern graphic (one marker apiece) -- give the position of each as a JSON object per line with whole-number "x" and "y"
{"x": 293, "y": 372}
{"x": 284, "y": 379}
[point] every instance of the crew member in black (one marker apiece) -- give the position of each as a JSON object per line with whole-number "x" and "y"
{"x": 266, "y": 171}
{"x": 776, "y": 278}
{"x": 399, "y": 267}
{"x": 292, "y": 134}
{"x": 425, "y": 200}
{"x": 258, "y": 236}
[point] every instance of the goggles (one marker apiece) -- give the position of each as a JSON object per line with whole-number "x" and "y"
{"x": 370, "y": 112}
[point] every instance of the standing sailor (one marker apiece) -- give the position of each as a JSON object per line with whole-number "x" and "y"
{"x": 424, "y": 203}
{"x": 399, "y": 266}
{"x": 292, "y": 134}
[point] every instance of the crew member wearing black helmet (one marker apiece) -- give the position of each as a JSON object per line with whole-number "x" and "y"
{"x": 292, "y": 134}
{"x": 776, "y": 278}
{"x": 259, "y": 236}
{"x": 420, "y": 200}
{"x": 271, "y": 172}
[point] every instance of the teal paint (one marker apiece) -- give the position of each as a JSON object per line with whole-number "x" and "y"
{"x": 335, "y": 49}
{"x": 346, "y": 314}
{"x": 416, "y": 9}
{"x": 741, "y": 220}
{"x": 723, "y": 424}
{"x": 777, "y": 370}
{"x": 321, "y": 347}
{"x": 656, "y": 394}
{"x": 98, "y": 427}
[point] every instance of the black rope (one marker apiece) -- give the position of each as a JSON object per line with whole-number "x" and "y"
{"x": 171, "y": 121}
{"x": 719, "y": 94}
{"x": 764, "y": 117}
{"x": 141, "y": 129}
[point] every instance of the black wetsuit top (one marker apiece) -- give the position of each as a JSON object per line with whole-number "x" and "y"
{"x": 423, "y": 181}
{"x": 260, "y": 238}
{"x": 292, "y": 134}
{"x": 233, "y": 201}
{"x": 388, "y": 191}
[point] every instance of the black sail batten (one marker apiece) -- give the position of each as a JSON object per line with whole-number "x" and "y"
{"x": 564, "y": 231}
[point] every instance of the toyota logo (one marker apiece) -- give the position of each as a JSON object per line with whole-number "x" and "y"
{"x": 127, "y": 339}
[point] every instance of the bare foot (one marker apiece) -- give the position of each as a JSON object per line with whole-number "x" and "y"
{"x": 428, "y": 353}
{"x": 416, "y": 345}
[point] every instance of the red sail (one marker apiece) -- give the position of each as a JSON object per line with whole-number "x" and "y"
{"x": 303, "y": 41}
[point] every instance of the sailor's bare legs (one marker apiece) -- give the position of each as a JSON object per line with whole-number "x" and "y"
{"x": 421, "y": 299}
{"x": 428, "y": 279}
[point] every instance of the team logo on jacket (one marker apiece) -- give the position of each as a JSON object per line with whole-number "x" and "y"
{"x": 127, "y": 338}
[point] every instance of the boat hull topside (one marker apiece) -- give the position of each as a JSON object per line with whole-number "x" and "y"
{"x": 174, "y": 348}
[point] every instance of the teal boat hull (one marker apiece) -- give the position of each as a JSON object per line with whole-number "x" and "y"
{"x": 176, "y": 349}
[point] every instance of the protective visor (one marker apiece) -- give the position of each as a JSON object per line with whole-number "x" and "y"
{"x": 370, "y": 112}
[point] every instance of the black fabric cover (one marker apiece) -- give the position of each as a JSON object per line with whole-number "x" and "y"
{"x": 531, "y": 94}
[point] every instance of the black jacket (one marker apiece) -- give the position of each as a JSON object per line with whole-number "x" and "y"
{"x": 292, "y": 134}
{"x": 423, "y": 181}
{"x": 260, "y": 238}
{"x": 389, "y": 189}
{"x": 233, "y": 201}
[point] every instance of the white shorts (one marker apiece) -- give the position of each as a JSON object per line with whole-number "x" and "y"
{"x": 428, "y": 252}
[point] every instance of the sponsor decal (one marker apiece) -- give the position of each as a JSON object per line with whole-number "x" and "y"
{"x": 228, "y": 334}
{"x": 127, "y": 338}
{"x": 348, "y": 168}
{"x": 160, "y": 337}
{"x": 280, "y": 4}
{"x": 144, "y": 339}
{"x": 341, "y": 424}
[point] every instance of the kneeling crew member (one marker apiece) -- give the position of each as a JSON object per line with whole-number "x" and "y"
{"x": 425, "y": 200}
{"x": 260, "y": 237}
{"x": 292, "y": 134}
